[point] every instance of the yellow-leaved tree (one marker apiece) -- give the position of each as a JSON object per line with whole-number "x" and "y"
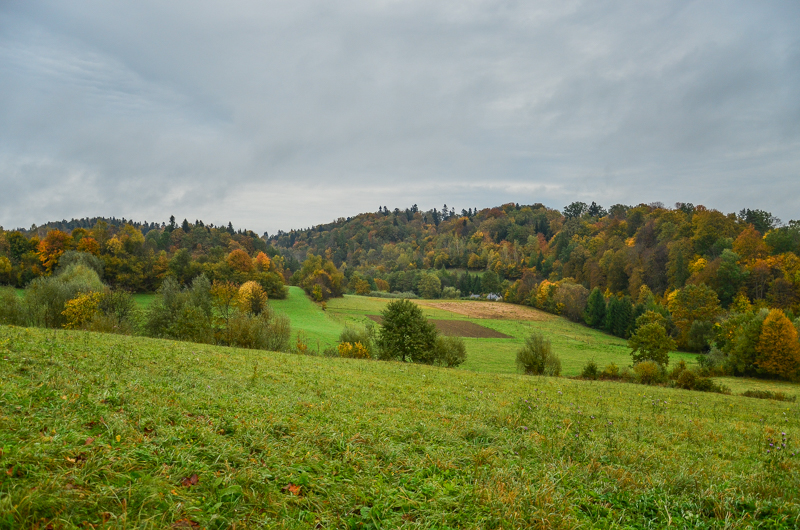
{"x": 252, "y": 298}
{"x": 778, "y": 349}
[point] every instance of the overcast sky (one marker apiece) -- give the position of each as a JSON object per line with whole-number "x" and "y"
{"x": 278, "y": 115}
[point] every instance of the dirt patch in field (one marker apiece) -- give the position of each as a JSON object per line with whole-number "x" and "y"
{"x": 459, "y": 328}
{"x": 490, "y": 310}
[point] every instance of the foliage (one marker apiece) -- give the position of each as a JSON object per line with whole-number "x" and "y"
{"x": 449, "y": 351}
{"x": 430, "y": 286}
{"x": 405, "y": 334}
{"x": 595, "y": 315}
{"x": 590, "y": 370}
{"x": 12, "y": 311}
{"x": 650, "y": 342}
{"x": 536, "y": 357}
{"x": 364, "y": 337}
{"x": 648, "y": 372}
{"x": 690, "y": 304}
{"x": 778, "y": 348}
{"x": 80, "y": 310}
{"x": 319, "y": 278}
{"x": 768, "y": 394}
{"x": 352, "y": 350}
{"x": 46, "y": 297}
{"x": 251, "y": 298}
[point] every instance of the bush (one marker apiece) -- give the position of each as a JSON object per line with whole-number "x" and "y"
{"x": 768, "y": 394}
{"x": 12, "y": 312}
{"x": 265, "y": 331}
{"x": 451, "y": 293}
{"x": 352, "y": 350}
{"x": 536, "y": 357}
{"x": 590, "y": 370}
{"x": 449, "y": 351}
{"x": 611, "y": 371}
{"x": 365, "y": 337}
{"x": 647, "y": 372}
{"x": 46, "y": 297}
{"x": 395, "y": 295}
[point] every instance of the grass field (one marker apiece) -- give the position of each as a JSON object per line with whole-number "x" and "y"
{"x": 103, "y": 431}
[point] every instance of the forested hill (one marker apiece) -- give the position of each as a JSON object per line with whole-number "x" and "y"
{"x": 618, "y": 250}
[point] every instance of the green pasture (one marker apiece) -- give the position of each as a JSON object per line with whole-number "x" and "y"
{"x": 111, "y": 432}
{"x": 575, "y": 344}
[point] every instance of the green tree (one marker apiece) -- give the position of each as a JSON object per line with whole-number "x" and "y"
{"x": 650, "y": 342}
{"x": 430, "y": 286}
{"x": 595, "y": 314}
{"x": 406, "y": 334}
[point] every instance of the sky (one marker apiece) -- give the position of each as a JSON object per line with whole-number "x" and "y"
{"x": 286, "y": 114}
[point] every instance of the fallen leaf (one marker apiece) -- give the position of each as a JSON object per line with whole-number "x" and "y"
{"x": 88, "y": 441}
{"x": 188, "y": 482}
{"x": 10, "y": 471}
{"x": 294, "y": 489}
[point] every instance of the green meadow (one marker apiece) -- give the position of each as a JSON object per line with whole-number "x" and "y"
{"x": 105, "y": 431}
{"x": 575, "y": 344}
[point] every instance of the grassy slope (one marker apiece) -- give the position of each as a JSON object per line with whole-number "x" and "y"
{"x": 100, "y": 428}
{"x": 575, "y": 344}
{"x": 306, "y": 316}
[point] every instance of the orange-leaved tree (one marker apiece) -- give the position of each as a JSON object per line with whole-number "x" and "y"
{"x": 240, "y": 261}
{"x": 778, "y": 349}
{"x": 51, "y": 248}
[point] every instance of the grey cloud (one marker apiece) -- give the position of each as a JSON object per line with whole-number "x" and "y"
{"x": 288, "y": 114}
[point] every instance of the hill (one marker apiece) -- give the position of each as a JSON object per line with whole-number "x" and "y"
{"x": 123, "y": 432}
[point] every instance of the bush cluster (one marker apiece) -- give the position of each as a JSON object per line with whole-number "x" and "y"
{"x": 536, "y": 357}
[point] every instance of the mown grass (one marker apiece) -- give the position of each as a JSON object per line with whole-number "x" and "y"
{"x": 100, "y": 430}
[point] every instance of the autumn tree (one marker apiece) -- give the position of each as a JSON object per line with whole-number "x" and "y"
{"x": 54, "y": 244}
{"x": 252, "y": 298}
{"x": 778, "y": 348}
{"x": 690, "y": 304}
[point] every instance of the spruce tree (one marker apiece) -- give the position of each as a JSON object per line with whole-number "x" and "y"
{"x": 595, "y": 309}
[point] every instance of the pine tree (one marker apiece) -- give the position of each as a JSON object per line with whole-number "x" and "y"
{"x": 595, "y": 309}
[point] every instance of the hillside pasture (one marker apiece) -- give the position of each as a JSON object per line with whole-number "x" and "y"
{"x": 114, "y": 432}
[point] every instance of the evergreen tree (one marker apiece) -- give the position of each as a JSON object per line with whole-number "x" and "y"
{"x": 595, "y": 315}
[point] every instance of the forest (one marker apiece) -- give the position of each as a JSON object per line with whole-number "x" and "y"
{"x": 723, "y": 284}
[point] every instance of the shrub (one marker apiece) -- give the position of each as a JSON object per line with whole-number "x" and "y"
{"x": 449, "y": 351}
{"x": 365, "y": 337}
{"x": 536, "y": 357}
{"x": 264, "y": 331}
{"x": 768, "y": 394}
{"x": 12, "y": 312}
{"x": 395, "y": 295}
{"x": 590, "y": 370}
{"x": 46, "y": 297}
{"x": 647, "y": 372}
{"x": 451, "y": 293}
{"x": 611, "y": 371}
{"x": 352, "y": 350}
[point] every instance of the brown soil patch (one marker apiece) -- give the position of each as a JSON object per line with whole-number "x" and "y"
{"x": 459, "y": 328}
{"x": 490, "y": 310}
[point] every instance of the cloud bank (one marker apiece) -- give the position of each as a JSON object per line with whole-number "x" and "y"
{"x": 283, "y": 115}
